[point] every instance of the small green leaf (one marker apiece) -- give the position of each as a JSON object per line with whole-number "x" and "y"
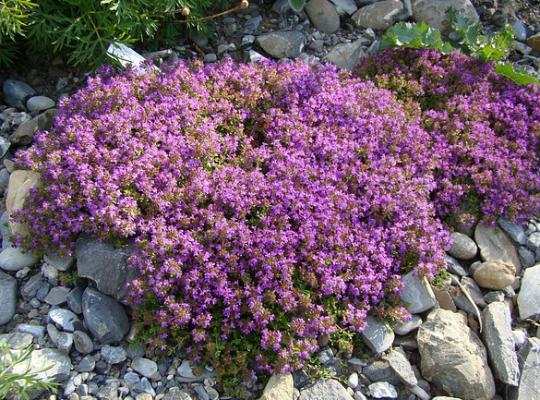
{"x": 517, "y": 75}
{"x": 297, "y": 5}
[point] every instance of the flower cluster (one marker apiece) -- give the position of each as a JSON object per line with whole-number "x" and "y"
{"x": 485, "y": 129}
{"x": 275, "y": 203}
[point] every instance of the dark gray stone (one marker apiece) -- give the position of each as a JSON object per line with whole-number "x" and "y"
{"x": 8, "y": 297}
{"x": 57, "y": 296}
{"x": 463, "y": 247}
{"x": 74, "y": 300}
{"x": 416, "y": 294}
{"x": 16, "y": 92}
{"x": 65, "y": 319}
{"x": 287, "y": 44}
{"x": 83, "y": 343}
{"x": 515, "y": 231}
{"x": 32, "y": 285}
{"x": 499, "y": 341}
{"x": 106, "y": 265}
{"x": 104, "y": 316}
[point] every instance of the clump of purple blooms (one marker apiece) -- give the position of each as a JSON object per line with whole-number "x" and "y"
{"x": 275, "y": 203}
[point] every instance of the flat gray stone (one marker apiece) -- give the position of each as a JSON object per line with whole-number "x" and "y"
{"x": 346, "y": 55}
{"x": 500, "y": 344}
{"x": 288, "y": 44}
{"x": 515, "y": 231}
{"x": 32, "y": 285}
{"x": 453, "y": 358}
{"x": 463, "y": 247}
{"x": 105, "y": 318}
{"x": 65, "y": 319}
{"x": 529, "y": 384}
{"x": 106, "y": 265}
{"x": 57, "y": 295}
{"x": 14, "y": 259}
{"x": 380, "y": 371}
{"x": 529, "y": 294}
{"x": 398, "y": 361}
{"x": 323, "y": 15}
{"x": 8, "y": 297}
{"x": 495, "y": 245}
{"x": 47, "y": 364}
{"x": 325, "y": 389}
{"x": 377, "y": 335}
{"x": 37, "y": 331}
{"x": 417, "y": 294}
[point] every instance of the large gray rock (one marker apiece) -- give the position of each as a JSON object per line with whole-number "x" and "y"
{"x": 500, "y": 342}
{"x": 463, "y": 247}
{"x": 496, "y": 246}
{"x": 279, "y": 387}
{"x": 529, "y": 384}
{"x": 16, "y": 92}
{"x": 14, "y": 259}
{"x": 453, "y": 358}
{"x": 323, "y": 15}
{"x": 529, "y": 293}
{"x": 287, "y": 44}
{"x": 346, "y": 55}
{"x": 325, "y": 389}
{"x": 417, "y": 294}
{"x": 8, "y": 297}
{"x": 435, "y": 12}
{"x": 104, "y": 317}
{"x": 106, "y": 265}
{"x": 380, "y": 15}
{"x": 377, "y": 335}
{"x": 46, "y": 364}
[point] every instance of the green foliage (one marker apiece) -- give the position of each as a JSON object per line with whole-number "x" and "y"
{"x": 83, "y": 29}
{"x": 13, "y": 22}
{"x": 416, "y": 36}
{"x": 20, "y": 385}
{"x": 517, "y": 75}
{"x": 464, "y": 35}
{"x": 297, "y": 5}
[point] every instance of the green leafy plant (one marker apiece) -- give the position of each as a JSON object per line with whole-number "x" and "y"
{"x": 297, "y": 5}
{"x": 83, "y": 29}
{"x": 14, "y": 16}
{"x": 465, "y": 36}
{"x": 20, "y": 385}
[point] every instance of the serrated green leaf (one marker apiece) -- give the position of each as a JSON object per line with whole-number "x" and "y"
{"x": 519, "y": 76}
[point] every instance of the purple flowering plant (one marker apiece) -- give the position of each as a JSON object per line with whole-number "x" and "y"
{"x": 272, "y": 203}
